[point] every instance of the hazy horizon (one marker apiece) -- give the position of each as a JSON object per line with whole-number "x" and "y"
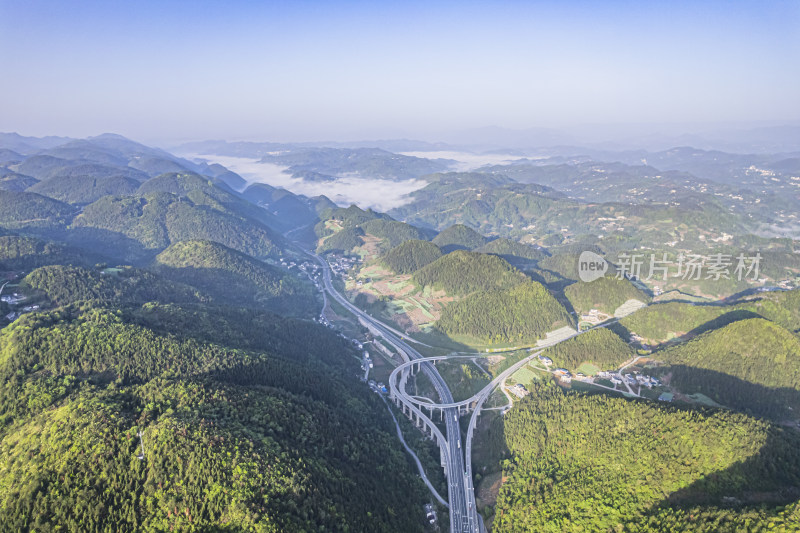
{"x": 162, "y": 72}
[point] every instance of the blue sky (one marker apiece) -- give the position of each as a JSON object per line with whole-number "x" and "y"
{"x": 343, "y": 70}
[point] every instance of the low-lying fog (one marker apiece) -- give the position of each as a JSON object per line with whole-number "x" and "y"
{"x": 379, "y": 194}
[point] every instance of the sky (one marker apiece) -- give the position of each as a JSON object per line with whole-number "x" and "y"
{"x": 167, "y": 71}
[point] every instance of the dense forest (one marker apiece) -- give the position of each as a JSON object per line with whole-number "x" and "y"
{"x": 170, "y": 396}
{"x": 410, "y": 256}
{"x": 236, "y": 278}
{"x": 602, "y": 463}
{"x": 26, "y": 253}
{"x": 522, "y": 314}
{"x": 460, "y": 273}
{"x": 154, "y": 221}
{"x": 84, "y": 189}
{"x": 751, "y": 365}
{"x": 63, "y": 285}
{"x": 605, "y": 294}
{"x": 661, "y": 322}
{"x": 458, "y": 237}
{"x": 512, "y": 251}
{"x": 232, "y": 438}
{"x": 600, "y": 347}
{"x": 342, "y": 241}
{"x": 32, "y": 212}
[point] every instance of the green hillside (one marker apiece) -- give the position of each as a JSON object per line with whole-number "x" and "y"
{"x": 32, "y": 212}
{"x": 512, "y": 251}
{"x": 392, "y": 232}
{"x": 136, "y": 225}
{"x": 202, "y": 190}
{"x": 460, "y": 273}
{"x": 288, "y": 209}
{"x": 521, "y": 314}
{"x": 63, "y": 285}
{"x": 235, "y": 278}
{"x": 605, "y": 294}
{"x": 27, "y": 253}
{"x": 661, "y": 322}
{"x": 599, "y": 347}
{"x": 232, "y": 440}
{"x": 602, "y": 463}
{"x": 752, "y": 365}
{"x": 84, "y": 189}
{"x": 410, "y": 256}
{"x": 342, "y": 241}
{"x": 459, "y": 237}
{"x": 11, "y": 181}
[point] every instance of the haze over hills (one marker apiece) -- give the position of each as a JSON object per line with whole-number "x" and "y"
{"x": 465, "y": 267}
{"x": 175, "y": 317}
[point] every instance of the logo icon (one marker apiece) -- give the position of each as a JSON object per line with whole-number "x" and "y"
{"x": 591, "y": 266}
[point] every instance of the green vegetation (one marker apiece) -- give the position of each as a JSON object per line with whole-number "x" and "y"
{"x": 136, "y": 225}
{"x": 235, "y": 278}
{"x": 11, "y": 181}
{"x": 751, "y": 365}
{"x": 661, "y": 322}
{"x": 599, "y": 347}
{"x": 342, "y": 241}
{"x": 63, "y": 285}
{"x": 601, "y": 463}
{"x": 460, "y": 273}
{"x": 391, "y": 232}
{"x": 84, "y": 189}
{"x": 356, "y": 222}
{"x": 605, "y": 294}
{"x": 512, "y": 251}
{"x": 459, "y": 237}
{"x": 523, "y": 313}
{"x": 32, "y": 212}
{"x": 410, "y": 256}
{"x": 232, "y": 440}
{"x": 350, "y": 217}
{"x": 27, "y": 253}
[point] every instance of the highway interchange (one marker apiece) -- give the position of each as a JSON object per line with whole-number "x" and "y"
{"x": 464, "y": 517}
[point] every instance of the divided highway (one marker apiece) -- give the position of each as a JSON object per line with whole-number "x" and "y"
{"x": 463, "y": 515}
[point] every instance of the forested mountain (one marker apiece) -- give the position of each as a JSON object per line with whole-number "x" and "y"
{"x": 230, "y": 439}
{"x": 45, "y": 167}
{"x": 521, "y": 314}
{"x": 32, "y": 212}
{"x": 63, "y": 285}
{"x": 460, "y": 273}
{"x": 661, "y": 322}
{"x": 204, "y": 191}
{"x": 137, "y": 225}
{"x": 410, "y": 256}
{"x": 342, "y": 241}
{"x": 235, "y": 278}
{"x": 27, "y": 253}
{"x": 496, "y": 205}
{"x": 600, "y": 347}
{"x": 391, "y": 232}
{"x": 601, "y": 463}
{"x": 458, "y": 237}
{"x": 605, "y": 294}
{"x": 12, "y": 181}
{"x": 751, "y": 365}
{"x": 512, "y": 251}
{"x": 288, "y": 209}
{"x": 84, "y": 189}
{"x": 353, "y": 223}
